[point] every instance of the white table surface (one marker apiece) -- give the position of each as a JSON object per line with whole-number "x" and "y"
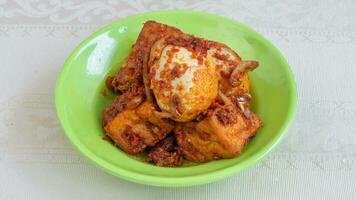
{"x": 315, "y": 160}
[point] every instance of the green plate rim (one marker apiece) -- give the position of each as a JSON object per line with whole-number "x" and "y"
{"x": 173, "y": 181}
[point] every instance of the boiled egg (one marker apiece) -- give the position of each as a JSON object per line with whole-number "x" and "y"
{"x": 183, "y": 81}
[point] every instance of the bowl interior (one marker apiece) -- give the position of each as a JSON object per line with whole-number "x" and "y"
{"x": 81, "y": 95}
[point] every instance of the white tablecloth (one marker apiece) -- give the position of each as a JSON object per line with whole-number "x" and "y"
{"x": 315, "y": 160}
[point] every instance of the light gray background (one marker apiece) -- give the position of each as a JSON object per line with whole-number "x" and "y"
{"x": 316, "y": 159}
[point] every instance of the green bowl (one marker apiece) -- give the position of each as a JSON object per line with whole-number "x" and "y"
{"x": 80, "y": 99}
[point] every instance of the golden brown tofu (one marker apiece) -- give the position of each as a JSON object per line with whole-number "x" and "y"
{"x": 132, "y": 71}
{"x": 133, "y": 130}
{"x": 222, "y": 134}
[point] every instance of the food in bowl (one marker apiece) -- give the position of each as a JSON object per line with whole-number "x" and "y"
{"x": 180, "y": 97}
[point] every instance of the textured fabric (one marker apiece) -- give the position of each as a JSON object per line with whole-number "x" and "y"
{"x": 315, "y": 160}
